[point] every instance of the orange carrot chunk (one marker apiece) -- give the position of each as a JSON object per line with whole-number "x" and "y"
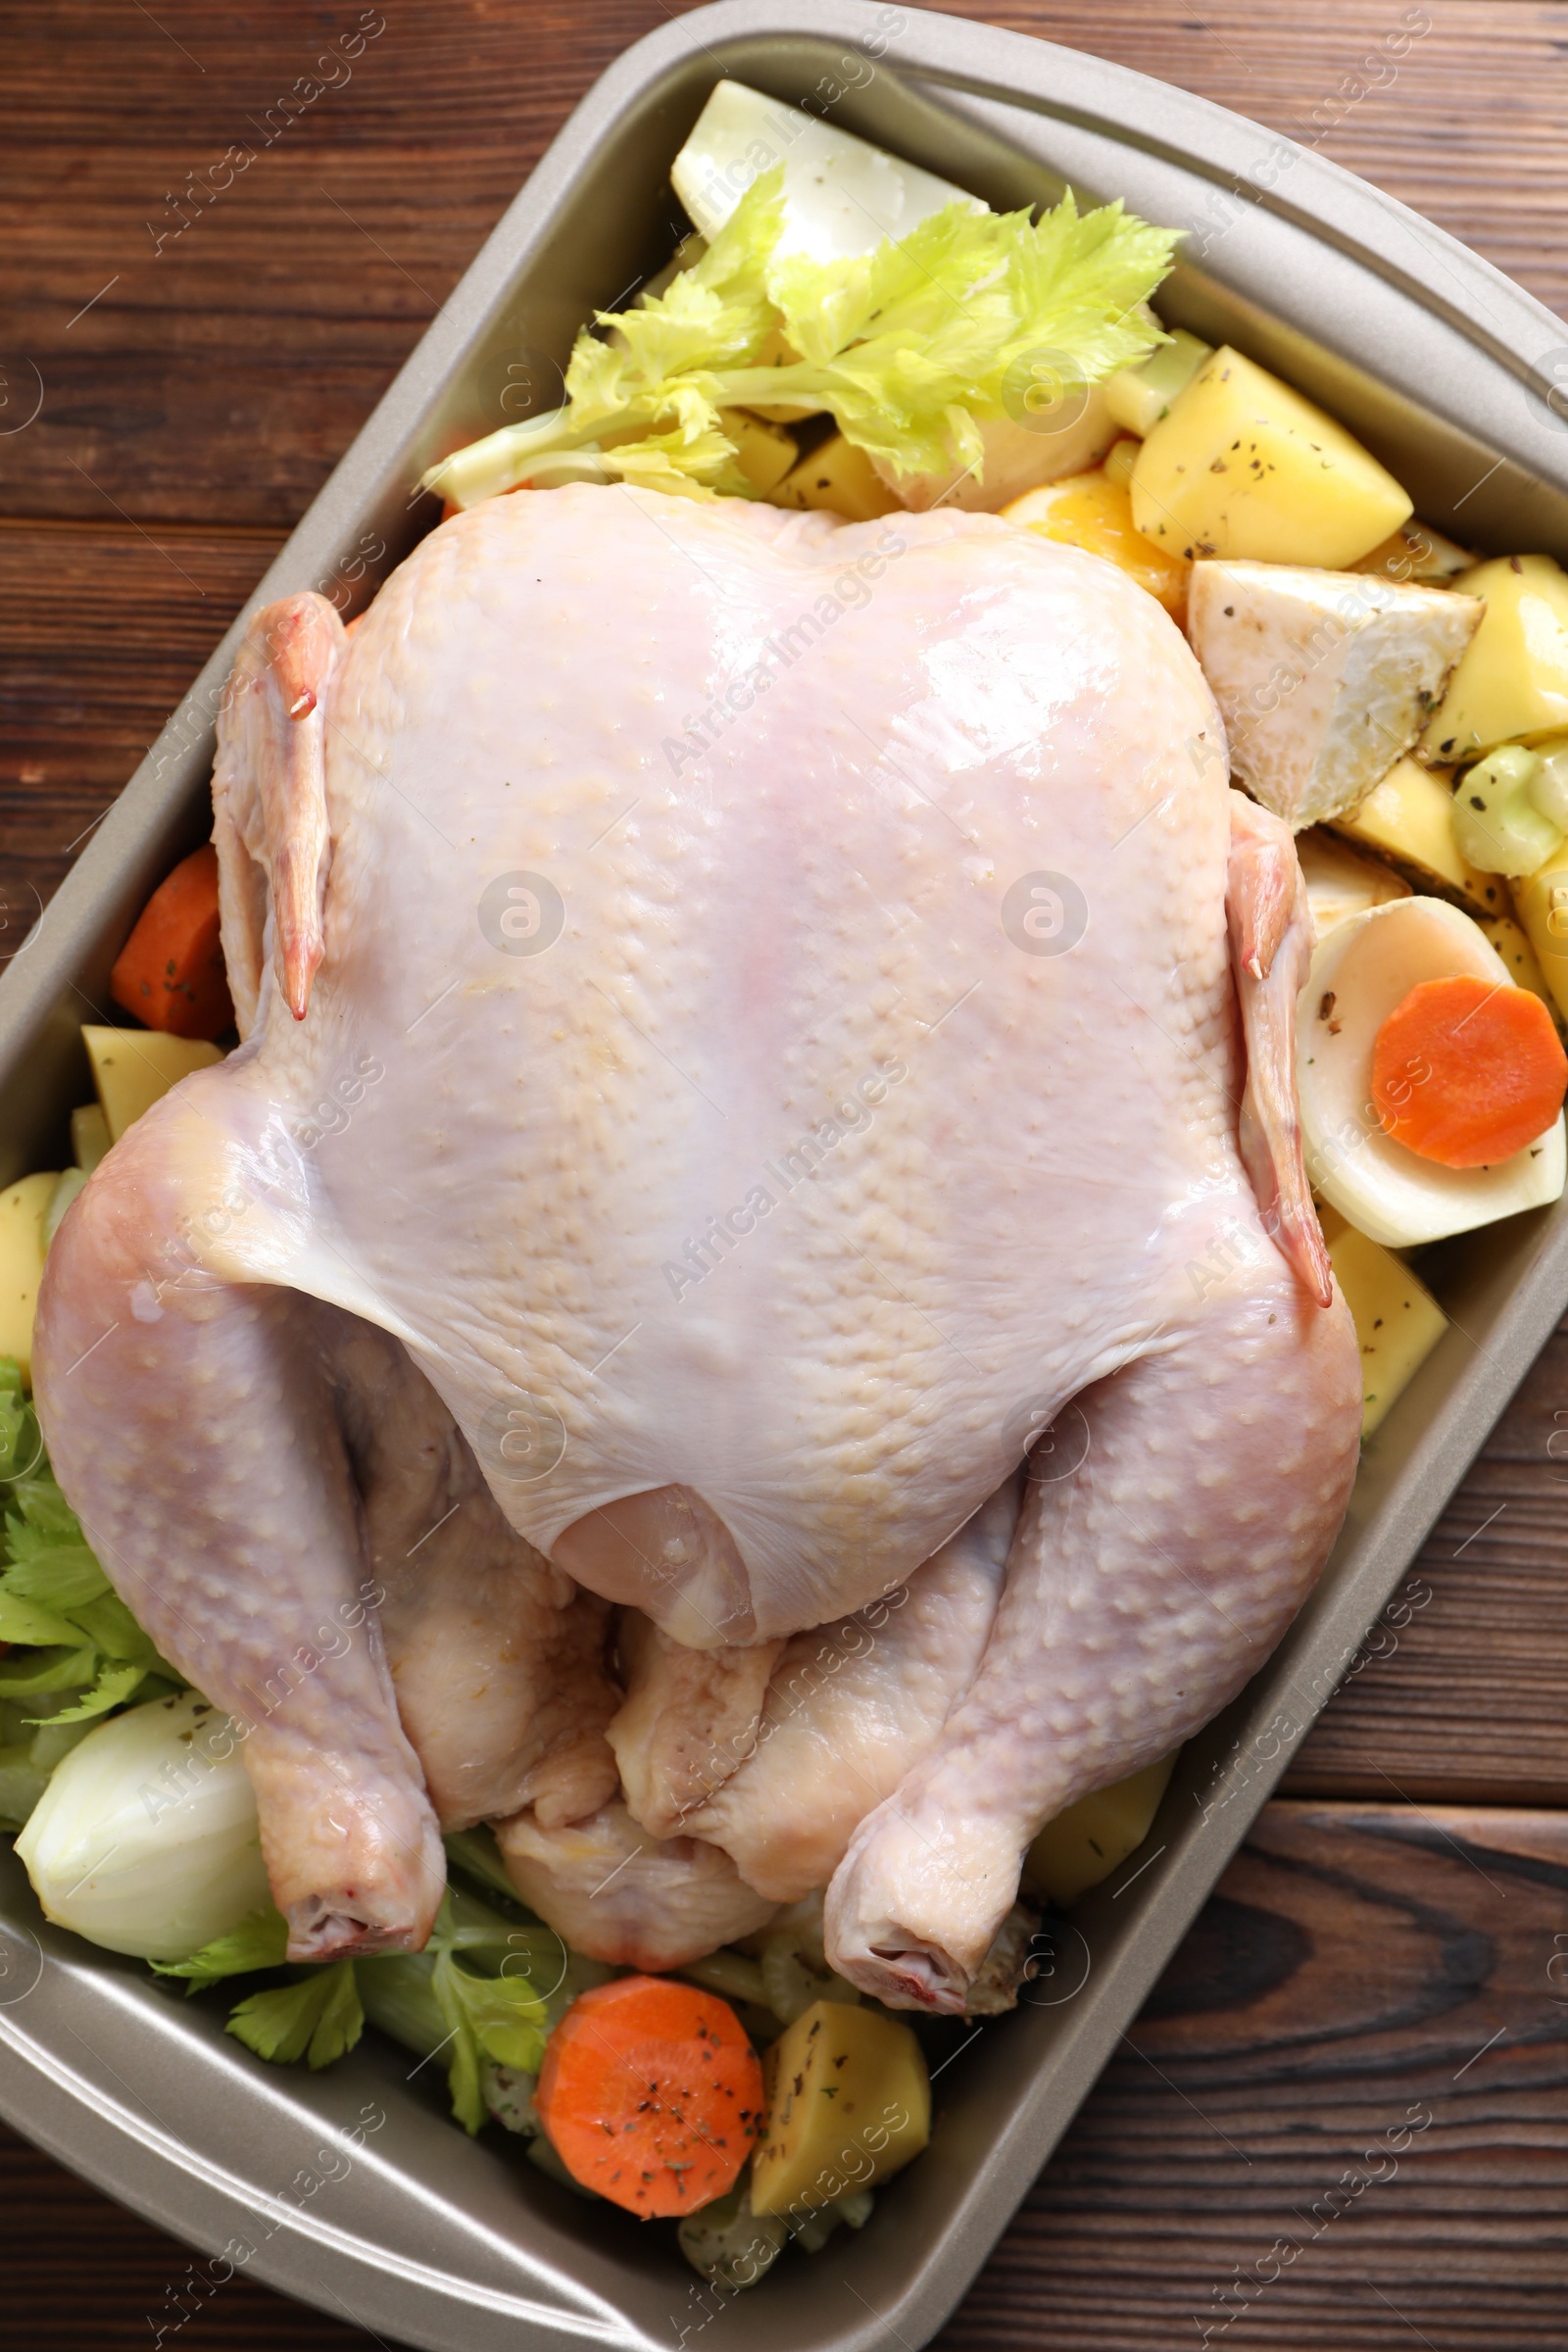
{"x": 169, "y": 972}
{"x": 1468, "y": 1071}
{"x": 650, "y": 2094}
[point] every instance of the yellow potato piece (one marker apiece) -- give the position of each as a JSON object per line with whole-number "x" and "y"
{"x": 1085, "y": 1843}
{"x": 1513, "y": 679}
{"x": 133, "y": 1069}
{"x": 1512, "y": 944}
{"x": 1244, "y": 468}
{"x": 1540, "y": 906}
{"x": 1398, "y": 1321}
{"x": 849, "y": 2103}
{"x": 1094, "y": 512}
{"x": 1408, "y": 818}
{"x": 21, "y": 1251}
{"x": 762, "y": 452}
{"x": 839, "y": 477}
{"x": 1416, "y": 553}
{"x": 89, "y": 1136}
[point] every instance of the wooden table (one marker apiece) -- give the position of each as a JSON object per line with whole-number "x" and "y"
{"x": 1393, "y": 1941}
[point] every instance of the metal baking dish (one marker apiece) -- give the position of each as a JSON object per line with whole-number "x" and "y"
{"x": 1447, "y": 371}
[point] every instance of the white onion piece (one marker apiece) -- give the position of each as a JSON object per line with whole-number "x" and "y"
{"x": 145, "y": 1840}
{"x": 1368, "y": 967}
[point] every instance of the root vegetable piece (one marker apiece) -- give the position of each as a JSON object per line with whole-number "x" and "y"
{"x": 1541, "y": 903}
{"x": 849, "y": 2102}
{"x": 1514, "y": 680}
{"x": 133, "y": 1069}
{"x": 763, "y": 452}
{"x": 1514, "y": 945}
{"x": 169, "y": 972}
{"x": 1340, "y": 882}
{"x": 1416, "y": 552}
{"x": 1360, "y": 974}
{"x": 1324, "y": 678}
{"x": 1398, "y": 1321}
{"x": 837, "y": 476}
{"x": 90, "y": 1138}
{"x": 1408, "y": 817}
{"x": 650, "y": 2094}
{"x": 1092, "y": 511}
{"x": 21, "y": 1254}
{"x": 1084, "y": 1844}
{"x": 1243, "y": 468}
{"x": 1064, "y": 428}
{"x": 1468, "y": 1073}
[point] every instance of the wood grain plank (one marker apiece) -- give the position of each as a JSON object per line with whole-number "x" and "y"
{"x": 217, "y": 376}
{"x": 1465, "y": 1693}
{"x": 102, "y": 629}
{"x": 1366, "y": 1978}
{"x": 1353, "y": 1962}
{"x": 1359, "y": 1968}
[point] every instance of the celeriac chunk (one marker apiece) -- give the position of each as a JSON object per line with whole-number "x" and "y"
{"x": 1323, "y": 678}
{"x": 1243, "y": 468}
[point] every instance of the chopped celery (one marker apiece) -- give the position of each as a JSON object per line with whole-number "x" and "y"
{"x": 908, "y": 346}
{"x": 1139, "y": 397}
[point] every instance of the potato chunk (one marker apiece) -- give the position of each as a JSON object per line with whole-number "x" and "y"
{"x": 848, "y": 2103}
{"x": 1398, "y": 1321}
{"x": 22, "y": 1254}
{"x": 763, "y": 452}
{"x": 1514, "y": 680}
{"x": 837, "y": 475}
{"x": 1512, "y": 944}
{"x": 1324, "y": 678}
{"x": 1540, "y": 905}
{"x": 131, "y": 1068}
{"x": 1244, "y": 468}
{"x": 1416, "y": 552}
{"x": 1409, "y": 817}
{"x": 1087, "y": 1842}
{"x": 1340, "y": 882}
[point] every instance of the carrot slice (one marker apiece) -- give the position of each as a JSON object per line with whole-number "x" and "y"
{"x": 169, "y": 972}
{"x": 1468, "y": 1071}
{"x": 650, "y": 2094}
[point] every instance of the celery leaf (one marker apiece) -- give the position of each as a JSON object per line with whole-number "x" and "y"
{"x": 911, "y": 346}
{"x": 260, "y": 1942}
{"x": 318, "y": 2019}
